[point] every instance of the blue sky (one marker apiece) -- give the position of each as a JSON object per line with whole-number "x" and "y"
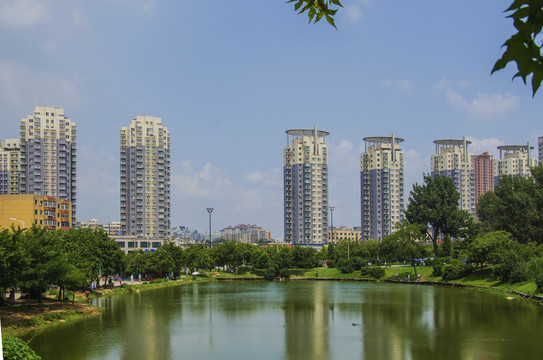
{"x": 229, "y": 77}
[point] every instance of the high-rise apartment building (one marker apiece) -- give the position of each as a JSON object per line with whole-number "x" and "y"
{"x": 145, "y": 178}
{"x": 540, "y": 149}
{"x": 9, "y": 166}
{"x": 381, "y": 186}
{"x": 453, "y": 160}
{"x": 48, "y": 155}
{"x": 305, "y": 166}
{"x": 515, "y": 160}
{"x": 484, "y": 175}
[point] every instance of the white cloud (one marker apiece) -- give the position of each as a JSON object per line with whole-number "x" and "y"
{"x": 23, "y": 13}
{"x": 479, "y": 146}
{"x": 271, "y": 178}
{"x": 79, "y": 20}
{"x": 345, "y": 147}
{"x": 353, "y": 12}
{"x": 49, "y": 47}
{"x": 208, "y": 183}
{"x": 19, "y": 86}
{"x": 401, "y": 85}
{"x": 254, "y": 177}
{"x": 483, "y": 106}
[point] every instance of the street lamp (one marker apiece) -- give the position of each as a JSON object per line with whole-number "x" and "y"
{"x": 209, "y": 210}
{"x": 332, "y": 208}
{"x": 21, "y": 221}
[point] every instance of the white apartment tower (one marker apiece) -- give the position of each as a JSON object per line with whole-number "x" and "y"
{"x": 453, "y": 160}
{"x": 9, "y": 166}
{"x": 48, "y": 155}
{"x": 305, "y": 166}
{"x": 381, "y": 186}
{"x": 145, "y": 178}
{"x": 515, "y": 160}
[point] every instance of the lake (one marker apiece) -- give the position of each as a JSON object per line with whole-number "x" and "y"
{"x": 297, "y": 320}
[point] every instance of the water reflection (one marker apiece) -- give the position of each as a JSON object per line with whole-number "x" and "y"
{"x": 301, "y": 320}
{"x": 307, "y": 316}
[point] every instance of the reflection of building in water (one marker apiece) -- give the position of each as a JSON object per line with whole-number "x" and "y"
{"x": 307, "y": 322}
{"x": 151, "y": 341}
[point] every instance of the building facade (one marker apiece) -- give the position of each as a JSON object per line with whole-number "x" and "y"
{"x": 484, "y": 175}
{"x": 345, "y": 233}
{"x": 29, "y": 209}
{"x": 453, "y": 160}
{"x": 249, "y": 234}
{"x": 381, "y": 186}
{"x": 48, "y": 160}
{"x": 145, "y": 178}
{"x": 515, "y": 160}
{"x": 305, "y": 168}
{"x": 10, "y": 151}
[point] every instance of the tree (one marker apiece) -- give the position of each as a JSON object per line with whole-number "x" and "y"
{"x": 406, "y": 242}
{"x": 522, "y": 47}
{"x": 435, "y": 206}
{"x": 515, "y": 206}
{"x": 317, "y": 9}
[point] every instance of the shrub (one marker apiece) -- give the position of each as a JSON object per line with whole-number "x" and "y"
{"x": 17, "y": 349}
{"x": 53, "y": 292}
{"x": 331, "y": 263}
{"x": 456, "y": 270}
{"x": 376, "y": 272}
{"x": 517, "y": 275}
{"x": 438, "y": 270}
{"x": 358, "y": 263}
{"x": 345, "y": 266}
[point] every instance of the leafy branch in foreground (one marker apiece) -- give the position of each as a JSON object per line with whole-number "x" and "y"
{"x": 317, "y": 9}
{"x": 522, "y": 47}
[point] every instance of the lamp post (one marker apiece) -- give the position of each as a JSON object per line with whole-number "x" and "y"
{"x": 21, "y": 221}
{"x": 209, "y": 210}
{"x": 332, "y": 208}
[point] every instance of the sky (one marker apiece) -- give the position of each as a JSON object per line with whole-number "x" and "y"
{"x": 228, "y": 78}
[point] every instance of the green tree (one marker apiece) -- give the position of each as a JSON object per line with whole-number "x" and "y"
{"x": 406, "y": 239}
{"x": 524, "y": 47}
{"x": 434, "y": 205}
{"x": 12, "y": 259}
{"x": 160, "y": 262}
{"x": 515, "y": 206}
{"x": 317, "y": 9}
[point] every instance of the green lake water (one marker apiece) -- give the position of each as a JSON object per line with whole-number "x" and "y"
{"x": 298, "y": 320}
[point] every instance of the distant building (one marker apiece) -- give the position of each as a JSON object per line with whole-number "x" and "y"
{"x": 129, "y": 243}
{"x": 10, "y": 168}
{"x": 113, "y": 228}
{"x": 484, "y": 175}
{"x": 187, "y": 233}
{"x": 453, "y": 160}
{"x": 345, "y": 233}
{"x": 305, "y": 167}
{"x": 515, "y": 160}
{"x": 540, "y": 149}
{"x": 381, "y": 186}
{"x": 92, "y": 223}
{"x": 248, "y": 234}
{"x": 145, "y": 178}
{"x": 26, "y": 210}
{"x": 48, "y": 155}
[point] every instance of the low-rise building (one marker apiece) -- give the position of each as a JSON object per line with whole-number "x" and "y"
{"x": 345, "y": 233}
{"x": 27, "y": 209}
{"x": 129, "y": 243}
